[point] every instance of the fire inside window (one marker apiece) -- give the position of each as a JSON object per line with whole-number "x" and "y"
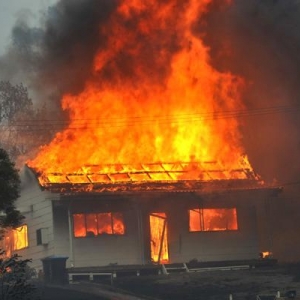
{"x": 16, "y": 239}
{"x": 98, "y": 224}
{"x": 213, "y": 219}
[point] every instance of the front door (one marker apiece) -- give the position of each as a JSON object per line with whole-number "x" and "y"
{"x": 159, "y": 238}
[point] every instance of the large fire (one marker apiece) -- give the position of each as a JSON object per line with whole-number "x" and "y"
{"x": 152, "y": 97}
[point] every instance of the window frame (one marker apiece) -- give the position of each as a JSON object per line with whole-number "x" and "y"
{"x": 97, "y": 214}
{"x": 25, "y": 234}
{"x": 202, "y": 219}
{"x": 9, "y": 242}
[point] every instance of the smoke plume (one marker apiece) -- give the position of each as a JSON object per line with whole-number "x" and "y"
{"x": 260, "y": 41}
{"x": 257, "y": 40}
{"x": 57, "y": 57}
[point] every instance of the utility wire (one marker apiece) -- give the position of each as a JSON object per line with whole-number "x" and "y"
{"x": 162, "y": 119}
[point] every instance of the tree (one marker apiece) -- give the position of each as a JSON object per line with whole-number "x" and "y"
{"x": 23, "y": 126}
{"x": 14, "y": 274}
{"x": 15, "y": 104}
{"x": 9, "y": 192}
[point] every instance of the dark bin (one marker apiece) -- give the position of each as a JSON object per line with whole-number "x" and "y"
{"x": 54, "y": 268}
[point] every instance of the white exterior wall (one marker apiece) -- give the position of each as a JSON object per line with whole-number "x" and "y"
{"x": 36, "y": 206}
{"x": 105, "y": 250}
{"x": 61, "y": 233}
{"x": 240, "y": 244}
{"x": 217, "y": 245}
{"x": 184, "y": 246}
{"x": 100, "y": 250}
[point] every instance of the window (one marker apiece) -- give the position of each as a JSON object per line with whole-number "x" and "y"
{"x": 98, "y": 224}
{"x": 20, "y": 239}
{"x": 213, "y": 219}
{"x": 42, "y": 236}
{"x": 16, "y": 239}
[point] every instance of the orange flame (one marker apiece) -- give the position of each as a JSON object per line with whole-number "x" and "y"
{"x": 159, "y": 238}
{"x": 98, "y": 224}
{"x": 15, "y": 239}
{"x": 152, "y": 97}
{"x": 213, "y": 219}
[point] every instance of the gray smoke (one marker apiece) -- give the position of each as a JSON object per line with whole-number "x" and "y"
{"x": 56, "y": 58}
{"x": 260, "y": 41}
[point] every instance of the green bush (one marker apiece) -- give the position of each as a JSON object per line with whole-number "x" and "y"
{"x": 14, "y": 278}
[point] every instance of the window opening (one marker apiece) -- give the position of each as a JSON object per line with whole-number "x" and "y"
{"x": 15, "y": 239}
{"x": 98, "y": 224}
{"x": 213, "y": 219}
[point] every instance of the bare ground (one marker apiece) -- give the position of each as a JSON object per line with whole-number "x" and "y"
{"x": 216, "y": 285}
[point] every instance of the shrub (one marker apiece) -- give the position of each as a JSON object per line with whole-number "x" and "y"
{"x": 14, "y": 278}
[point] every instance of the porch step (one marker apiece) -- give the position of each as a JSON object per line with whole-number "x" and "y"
{"x": 174, "y": 268}
{"x": 182, "y": 267}
{"x": 90, "y": 275}
{"x": 221, "y": 268}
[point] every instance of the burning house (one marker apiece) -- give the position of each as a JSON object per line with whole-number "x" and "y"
{"x": 151, "y": 168}
{"x": 141, "y": 215}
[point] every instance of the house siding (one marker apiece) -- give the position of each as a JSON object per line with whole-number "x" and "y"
{"x": 96, "y": 251}
{"x": 134, "y": 247}
{"x": 36, "y": 206}
{"x": 215, "y": 245}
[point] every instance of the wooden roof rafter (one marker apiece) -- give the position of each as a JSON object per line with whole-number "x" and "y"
{"x": 142, "y": 173}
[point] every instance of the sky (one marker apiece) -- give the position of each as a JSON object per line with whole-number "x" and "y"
{"x": 12, "y": 10}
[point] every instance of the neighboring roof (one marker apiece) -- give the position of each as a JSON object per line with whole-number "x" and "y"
{"x": 150, "y": 177}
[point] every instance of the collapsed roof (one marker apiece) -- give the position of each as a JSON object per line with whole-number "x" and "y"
{"x": 179, "y": 176}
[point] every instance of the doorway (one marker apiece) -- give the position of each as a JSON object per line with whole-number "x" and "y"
{"x": 159, "y": 238}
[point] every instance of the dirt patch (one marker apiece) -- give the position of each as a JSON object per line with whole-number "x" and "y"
{"x": 216, "y": 285}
